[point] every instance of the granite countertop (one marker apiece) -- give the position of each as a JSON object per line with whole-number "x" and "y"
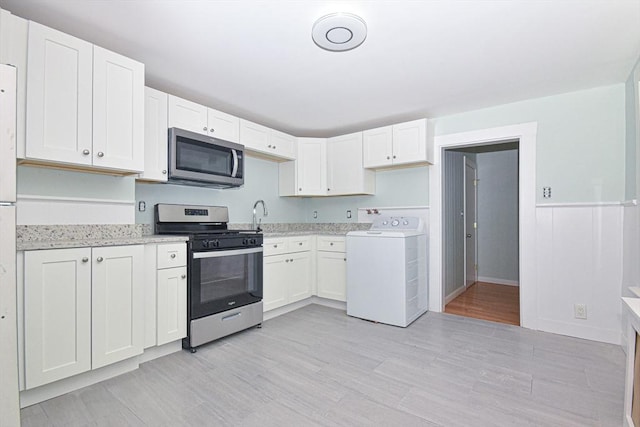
{"x": 37, "y": 237}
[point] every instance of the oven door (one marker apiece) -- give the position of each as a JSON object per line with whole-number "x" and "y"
{"x": 225, "y": 279}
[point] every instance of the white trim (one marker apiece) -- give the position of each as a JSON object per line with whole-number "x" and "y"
{"x": 453, "y": 295}
{"x": 588, "y": 332}
{"x": 526, "y": 134}
{"x": 629, "y": 203}
{"x": 48, "y": 210}
{"x": 339, "y": 305}
{"x": 498, "y": 281}
{"x": 585, "y": 205}
{"x": 419, "y": 211}
{"x": 156, "y": 352}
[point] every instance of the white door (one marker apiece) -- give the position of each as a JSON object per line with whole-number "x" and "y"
{"x": 7, "y": 134}
{"x": 187, "y": 115}
{"x": 117, "y": 303}
{"x": 377, "y": 147}
{"x": 311, "y": 167}
{"x": 224, "y": 126}
{"x": 118, "y": 111}
{"x": 275, "y": 285}
{"x": 470, "y": 222}
{"x": 59, "y": 99}
{"x": 299, "y": 276}
{"x": 155, "y": 135}
{"x": 332, "y": 275}
{"x": 171, "y": 310}
{"x": 57, "y": 314}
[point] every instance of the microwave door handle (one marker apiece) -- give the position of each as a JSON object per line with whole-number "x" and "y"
{"x": 234, "y": 171}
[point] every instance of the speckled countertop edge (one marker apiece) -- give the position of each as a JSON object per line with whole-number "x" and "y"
{"x": 84, "y": 243}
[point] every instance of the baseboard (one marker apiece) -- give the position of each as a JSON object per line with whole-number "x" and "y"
{"x": 340, "y": 305}
{"x": 611, "y": 336}
{"x": 453, "y": 295}
{"x": 156, "y": 352}
{"x": 499, "y": 281}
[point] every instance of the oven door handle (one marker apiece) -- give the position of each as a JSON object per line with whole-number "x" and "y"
{"x": 232, "y": 252}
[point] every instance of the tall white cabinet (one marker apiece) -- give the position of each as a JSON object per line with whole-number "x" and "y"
{"x": 83, "y": 309}
{"x": 85, "y": 104}
{"x": 156, "y": 147}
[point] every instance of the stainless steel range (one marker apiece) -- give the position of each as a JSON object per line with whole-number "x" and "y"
{"x": 224, "y": 293}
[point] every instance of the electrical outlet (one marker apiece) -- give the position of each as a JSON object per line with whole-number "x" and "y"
{"x": 315, "y": 214}
{"x": 348, "y": 214}
{"x": 142, "y": 206}
{"x": 580, "y": 311}
{"x": 546, "y": 192}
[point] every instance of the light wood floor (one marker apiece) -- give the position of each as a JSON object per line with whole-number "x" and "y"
{"x": 488, "y": 301}
{"x": 318, "y": 367}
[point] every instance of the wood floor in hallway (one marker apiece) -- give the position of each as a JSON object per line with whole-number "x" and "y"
{"x": 488, "y": 301}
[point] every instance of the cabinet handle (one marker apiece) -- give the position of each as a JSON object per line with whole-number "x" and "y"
{"x": 184, "y": 276}
{"x": 85, "y": 259}
{"x": 99, "y": 259}
{"x": 173, "y": 255}
{"x": 86, "y": 152}
{"x": 100, "y": 154}
{"x": 164, "y": 172}
{"x": 204, "y": 128}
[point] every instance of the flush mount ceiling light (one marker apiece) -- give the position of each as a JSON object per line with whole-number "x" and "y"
{"x": 338, "y": 32}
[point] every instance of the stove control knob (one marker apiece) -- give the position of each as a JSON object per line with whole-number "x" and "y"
{"x": 395, "y": 222}
{"x": 205, "y": 243}
{"x": 253, "y": 241}
{"x": 215, "y": 243}
{"x": 245, "y": 242}
{"x": 405, "y": 222}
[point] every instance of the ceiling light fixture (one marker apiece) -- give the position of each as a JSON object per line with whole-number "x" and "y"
{"x": 339, "y": 32}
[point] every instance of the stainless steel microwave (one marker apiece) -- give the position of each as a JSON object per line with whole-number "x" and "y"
{"x": 201, "y": 160}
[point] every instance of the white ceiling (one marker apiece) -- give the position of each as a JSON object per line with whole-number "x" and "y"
{"x": 256, "y": 59}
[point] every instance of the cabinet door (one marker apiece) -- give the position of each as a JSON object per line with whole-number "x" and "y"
{"x": 254, "y": 136}
{"x": 117, "y": 303}
{"x": 283, "y": 145}
{"x": 172, "y": 304}
{"x": 187, "y": 115}
{"x": 345, "y": 173}
{"x": 332, "y": 275}
{"x": 118, "y": 111}
{"x": 410, "y": 142}
{"x": 155, "y": 136}
{"x": 377, "y": 147}
{"x": 223, "y": 125}
{"x": 311, "y": 167}
{"x": 59, "y": 99}
{"x": 299, "y": 276}
{"x": 57, "y": 314}
{"x": 275, "y": 281}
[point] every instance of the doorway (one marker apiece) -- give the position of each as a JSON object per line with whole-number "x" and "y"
{"x": 483, "y": 180}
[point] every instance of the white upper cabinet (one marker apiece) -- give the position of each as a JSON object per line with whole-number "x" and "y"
{"x": 345, "y": 172}
{"x": 156, "y": 147}
{"x": 197, "y": 118}
{"x": 118, "y": 111}
{"x": 267, "y": 142}
{"x": 307, "y": 175}
{"x": 59, "y": 97}
{"x": 85, "y": 105}
{"x": 401, "y": 144}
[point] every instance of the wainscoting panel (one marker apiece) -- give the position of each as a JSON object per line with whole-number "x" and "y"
{"x": 580, "y": 262}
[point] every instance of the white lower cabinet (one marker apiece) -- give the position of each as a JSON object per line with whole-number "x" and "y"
{"x": 83, "y": 309}
{"x": 171, "y": 305}
{"x": 287, "y": 276}
{"x": 332, "y": 268}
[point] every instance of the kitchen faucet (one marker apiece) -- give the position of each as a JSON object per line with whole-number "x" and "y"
{"x": 256, "y": 226}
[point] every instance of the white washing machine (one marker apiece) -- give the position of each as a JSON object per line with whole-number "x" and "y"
{"x": 387, "y": 271}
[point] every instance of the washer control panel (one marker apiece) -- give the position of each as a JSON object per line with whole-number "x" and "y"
{"x": 396, "y": 223}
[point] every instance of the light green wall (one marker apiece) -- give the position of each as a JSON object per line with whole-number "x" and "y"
{"x": 402, "y": 187}
{"x": 580, "y": 142}
{"x": 631, "y": 112}
{"x": 261, "y": 182}
{"x": 38, "y": 181}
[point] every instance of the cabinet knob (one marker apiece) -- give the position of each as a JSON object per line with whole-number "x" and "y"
{"x": 99, "y": 259}
{"x": 275, "y": 246}
{"x": 291, "y": 259}
{"x": 388, "y": 158}
{"x": 286, "y": 260}
{"x": 184, "y": 276}
{"x": 345, "y": 259}
{"x": 394, "y": 157}
{"x": 100, "y": 154}
{"x": 331, "y": 244}
{"x": 212, "y": 130}
{"x": 86, "y": 152}
{"x": 300, "y": 189}
{"x": 164, "y": 172}
{"x": 328, "y": 189}
{"x": 274, "y": 147}
{"x": 173, "y": 255}
{"x": 269, "y": 145}
{"x": 204, "y": 128}
{"x": 85, "y": 259}
{"x": 299, "y": 243}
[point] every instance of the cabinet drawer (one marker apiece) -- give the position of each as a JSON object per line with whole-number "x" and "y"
{"x": 275, "y": 246}
{"x": 331, "y": 243}
{"x": 172, "y": 255}
{"x": 299, "y": 244}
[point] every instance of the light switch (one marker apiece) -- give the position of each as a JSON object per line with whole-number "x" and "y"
{"x": 348, "y": 214}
